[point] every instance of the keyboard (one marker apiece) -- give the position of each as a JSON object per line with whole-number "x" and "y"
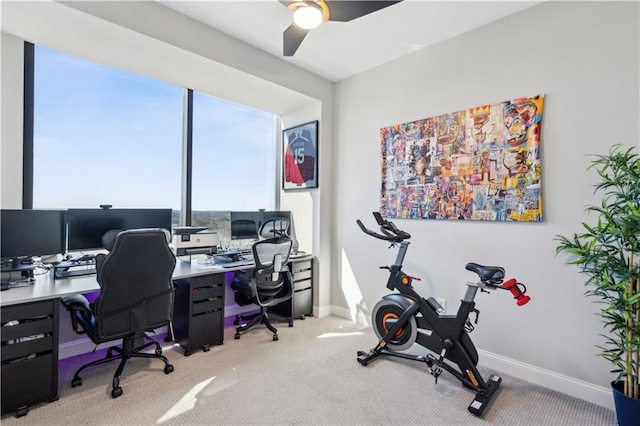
{"x": 237, "y": 263}
{"x": 74, "y": 272}
{"x": 71, "y": 263}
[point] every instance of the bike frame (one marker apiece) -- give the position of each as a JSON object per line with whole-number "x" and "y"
{"x": 448, "y": 335}
{"x": 445, "y": 327}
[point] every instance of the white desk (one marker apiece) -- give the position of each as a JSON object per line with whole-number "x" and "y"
{"x": 45, "y": 287}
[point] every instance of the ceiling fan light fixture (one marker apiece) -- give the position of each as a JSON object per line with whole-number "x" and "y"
{"x": 308, "y": 16}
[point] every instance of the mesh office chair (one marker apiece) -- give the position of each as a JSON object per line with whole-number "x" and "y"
{"x": 270, "y": 282}
{"x": 274, "y": 227}
{"x": 136, "y": 296}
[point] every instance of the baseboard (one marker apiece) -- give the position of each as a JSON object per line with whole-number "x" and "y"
{"x": 345, "y": 313}
{"x": 322, "y": 311}
{"x": 559, "y": 382}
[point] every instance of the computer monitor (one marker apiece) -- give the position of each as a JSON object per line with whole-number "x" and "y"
{"x": 245, "y": 225}
{"x": 87, "y": 226}
{"x": 26, "y": 233}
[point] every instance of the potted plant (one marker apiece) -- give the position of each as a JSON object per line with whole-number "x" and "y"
{"x": 608, "y": 253}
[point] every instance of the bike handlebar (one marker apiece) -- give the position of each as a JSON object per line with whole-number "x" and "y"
{"x": 389, "y": 229}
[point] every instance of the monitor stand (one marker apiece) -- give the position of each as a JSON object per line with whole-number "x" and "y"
{"x": 16, "y": 266}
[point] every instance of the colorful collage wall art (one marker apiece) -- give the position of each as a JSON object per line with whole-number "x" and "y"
{"x": 478, "y": 164}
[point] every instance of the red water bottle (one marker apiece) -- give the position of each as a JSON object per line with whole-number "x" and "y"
{"x": 513, "y": 286}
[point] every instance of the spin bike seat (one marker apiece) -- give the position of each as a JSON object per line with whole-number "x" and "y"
{"x": 494, "y": 274}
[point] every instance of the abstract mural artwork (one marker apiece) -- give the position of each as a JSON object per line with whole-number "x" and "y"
{"x": 482, "y": 163}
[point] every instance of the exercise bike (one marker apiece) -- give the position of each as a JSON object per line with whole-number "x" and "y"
{"x": 402, "y": 319}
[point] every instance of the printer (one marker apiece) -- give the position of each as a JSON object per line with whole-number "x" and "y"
{"x": 188, "y": 240}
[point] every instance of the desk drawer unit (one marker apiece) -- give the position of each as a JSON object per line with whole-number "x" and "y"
{"x": 29, "y": 335}
{"x": 301, "y": 304}
{"x": 198, "y": 312}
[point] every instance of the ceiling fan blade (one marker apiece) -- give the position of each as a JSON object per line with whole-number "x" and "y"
{"x": 344, "y": 11}
{"x": 292, "y": 38}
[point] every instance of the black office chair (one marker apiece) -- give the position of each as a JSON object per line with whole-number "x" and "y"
{"x": 136, "y": 296}
{"x": 269, "y": 283}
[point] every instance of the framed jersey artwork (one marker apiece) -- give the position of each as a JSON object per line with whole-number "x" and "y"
{"x": 300, "y": 156}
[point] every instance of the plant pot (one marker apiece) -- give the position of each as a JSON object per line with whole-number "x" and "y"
{"x": 627, "y": 409}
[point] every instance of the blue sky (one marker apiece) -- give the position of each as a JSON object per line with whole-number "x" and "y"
{"x": 105, "y": 136}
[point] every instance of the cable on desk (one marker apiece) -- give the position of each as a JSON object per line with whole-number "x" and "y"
{"x": 20, "y": 283}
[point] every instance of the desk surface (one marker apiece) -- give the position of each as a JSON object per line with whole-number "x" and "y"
{"x": 46, "y": 287}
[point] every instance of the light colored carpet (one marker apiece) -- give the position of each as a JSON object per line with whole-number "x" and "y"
{"x": 310, "y": 376}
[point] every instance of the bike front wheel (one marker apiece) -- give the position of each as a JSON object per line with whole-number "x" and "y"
{"x": 384, "y": 315}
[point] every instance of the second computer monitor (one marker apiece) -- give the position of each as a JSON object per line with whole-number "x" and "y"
{"x": 245, "y": 225}
{"x": 87, "y": 226}
{"x": 26, "y": 233}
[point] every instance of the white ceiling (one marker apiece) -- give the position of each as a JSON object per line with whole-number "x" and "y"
{"x": 337, "y": 50}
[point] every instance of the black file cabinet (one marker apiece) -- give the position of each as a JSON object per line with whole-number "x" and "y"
{"x": 29, "y": 368}
{"x": 198, "y": 312}
{"x": 301, "y": 303}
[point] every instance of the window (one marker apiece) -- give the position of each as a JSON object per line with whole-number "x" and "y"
{"x": 234, "y": 160}
{"x": 103, "y": 136}
{"x": 106, "y": 136}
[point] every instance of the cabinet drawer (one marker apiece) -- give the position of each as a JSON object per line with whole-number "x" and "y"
{"x": 27, "y": 382}
{"x": 300, "y": 266}
{"x": 206, "y": 306}
{"x": 26, "y": 310}
{"x": 206, "y": 280}
{"x": 40, "y": 325}
{"x": 302, "y": 303}
{"x": 206, "y": 329}
{"x": 302, "y": 285}
{"x": 204, "y": 293}
{"x": 29, "y": 347}
{"x": 302, "y": 275}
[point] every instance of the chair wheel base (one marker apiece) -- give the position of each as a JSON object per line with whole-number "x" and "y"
{"x": 116, "y": 392}
{"x": 236, "y": 336}
{"x": 275, "y": 337}
{"x": 168, "y": 369}
{"x": 77, "y": 381}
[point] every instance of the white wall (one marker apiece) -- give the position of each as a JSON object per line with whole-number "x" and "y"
{"x": 585, "y": 58}
{"x": 11, "y": 71}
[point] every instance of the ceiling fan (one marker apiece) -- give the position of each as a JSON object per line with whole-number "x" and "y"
{"x": 309, "y": 14}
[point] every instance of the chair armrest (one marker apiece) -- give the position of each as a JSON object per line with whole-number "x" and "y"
{"x": 78, "y": 306}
